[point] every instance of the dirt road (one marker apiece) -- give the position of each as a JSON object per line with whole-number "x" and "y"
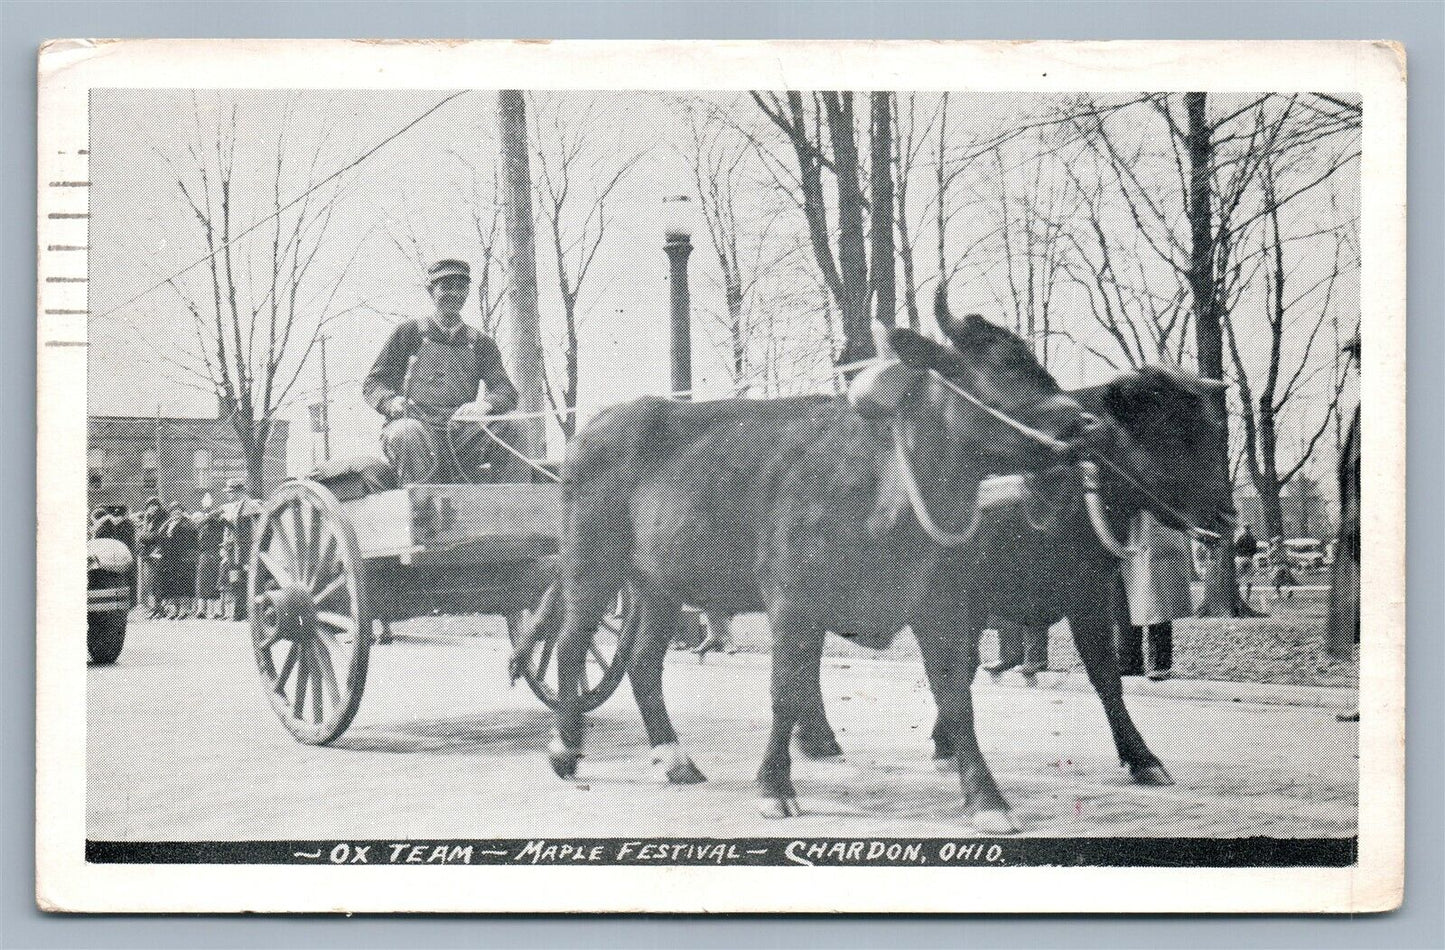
{"x": 183, "y": 746}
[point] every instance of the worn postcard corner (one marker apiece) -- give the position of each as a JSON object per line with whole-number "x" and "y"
{"x": 742, "y": 477}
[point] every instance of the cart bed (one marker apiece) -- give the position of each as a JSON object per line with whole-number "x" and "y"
{"x": 476, "y": 523}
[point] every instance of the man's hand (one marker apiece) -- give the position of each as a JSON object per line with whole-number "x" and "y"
{"x": 396, "y": 407}
{"x": 473, "y": 410}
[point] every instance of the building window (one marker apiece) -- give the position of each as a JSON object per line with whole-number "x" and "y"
{"x": 95, "y": 461}
{"x": 148, "y": 459}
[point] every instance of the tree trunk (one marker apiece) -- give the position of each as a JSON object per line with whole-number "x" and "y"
{"x": 738, "y": 333}
{"x": 852, "y": 247}
{"x": 255, "y": 467}
{"x": 526, "y": 324}
{"x": 905, "y": 241}
{"x": 1221, "y": 592}
{"x": 881, "y": 276}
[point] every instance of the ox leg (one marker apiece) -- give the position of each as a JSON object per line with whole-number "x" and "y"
{"x": 944, "y": 758}
{"x": 1093, "y": 637}
{"x": 658, "y": 622}
{"x": 950, "y": 657}
{"x": 815, "y": 735}
{"x": 797, "y": 652}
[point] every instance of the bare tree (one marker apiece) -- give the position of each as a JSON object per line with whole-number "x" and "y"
{"x": 882, "y": 282}
{"x": 909, "y": 139}
{"x": 741, "y": 216}
{"x": 1033, "y": 242}
{"x": 576, "y": 177}
{"x": 1208, "y": 182}
{"x": 846, "y": 271}
{"x": 483, "y": 199}
{"x": 254, "y": 332}
{"x": 1285, "y": 376}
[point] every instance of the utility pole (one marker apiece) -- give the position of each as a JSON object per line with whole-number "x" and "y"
{"x": 156, "y": 447}
{"x": 325, "y": 407}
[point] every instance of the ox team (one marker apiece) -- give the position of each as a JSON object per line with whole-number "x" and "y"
{"x": 434, "y": 371}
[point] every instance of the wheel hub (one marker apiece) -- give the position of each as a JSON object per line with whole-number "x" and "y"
{"x": 293, "y": 608}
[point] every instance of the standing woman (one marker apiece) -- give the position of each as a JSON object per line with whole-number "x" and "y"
{"x": 178, "y": 562}
{"x": 148, "y": 552}
{"x": 1156, "y": 589}
{"x": 209, "y": 534}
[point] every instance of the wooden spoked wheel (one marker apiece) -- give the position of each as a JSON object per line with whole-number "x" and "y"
{"x": 310, "y": 625}
{"x": 607, "y": 655}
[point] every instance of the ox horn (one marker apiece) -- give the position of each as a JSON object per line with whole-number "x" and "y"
{"x": 881, "y": 346}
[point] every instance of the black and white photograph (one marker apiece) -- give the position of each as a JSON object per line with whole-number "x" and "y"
{"x": 613, "y": 459}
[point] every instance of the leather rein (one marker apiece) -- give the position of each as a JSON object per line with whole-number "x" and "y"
{"x": 1087, "y": 469}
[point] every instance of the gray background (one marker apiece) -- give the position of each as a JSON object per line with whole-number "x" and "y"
{"x": 1420, "y": 25}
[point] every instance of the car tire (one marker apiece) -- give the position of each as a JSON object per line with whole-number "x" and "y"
{"x": 105, "y": 636}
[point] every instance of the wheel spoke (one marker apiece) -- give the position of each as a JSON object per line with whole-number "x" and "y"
{"x": 298, "y": 537}
{"x": 303, "y": 679}
{"x": 596, "y": 654}
{"x": 284, "y": 543}
{"x": 324, "y": 566}
{"x": 317, "y": 676}
{"x": 337, "y": 621}
{"x": 331, "y": 588}
{"x": 328, "y": 673}
{"x": 272, "y": 562}
{"x": 287, "y": 666}
{"x": 313, "y": 543}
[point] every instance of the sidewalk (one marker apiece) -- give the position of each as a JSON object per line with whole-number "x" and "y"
{"x": 1272, "y": 694}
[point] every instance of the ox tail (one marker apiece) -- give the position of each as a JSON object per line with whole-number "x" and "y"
{"x": 605, "y": 463}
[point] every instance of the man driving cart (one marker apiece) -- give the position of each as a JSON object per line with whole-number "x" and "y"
{"x": 433, "y": 381}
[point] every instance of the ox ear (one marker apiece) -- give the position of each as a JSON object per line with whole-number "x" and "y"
{"x": 918, "y": 351}
{"x": 1126, "y": 398}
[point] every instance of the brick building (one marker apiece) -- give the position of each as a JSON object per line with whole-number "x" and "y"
{"x": 131, "y": 458}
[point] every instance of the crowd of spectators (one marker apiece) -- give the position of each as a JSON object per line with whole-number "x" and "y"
{"x": 190, "y": 563}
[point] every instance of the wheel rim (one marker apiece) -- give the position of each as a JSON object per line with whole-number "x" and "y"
{"x": 310, "y": 626}
{"x": 606, "y": 656}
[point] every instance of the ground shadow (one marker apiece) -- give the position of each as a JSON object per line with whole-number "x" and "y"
{"x": 498, "y": 732}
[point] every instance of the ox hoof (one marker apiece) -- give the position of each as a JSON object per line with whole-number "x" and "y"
{"x": 563, "y": 758}
{"x": 674, "y": 763}
{"x": 822, "y": 748}
{"x": 1153, "y": 774}
{"x": 779, "y": 807}
{"x": 995, "y": 823}
{"x": 945, "y": 763}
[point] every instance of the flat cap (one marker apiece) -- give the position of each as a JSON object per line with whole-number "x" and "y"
{"x": 448, "y": 267}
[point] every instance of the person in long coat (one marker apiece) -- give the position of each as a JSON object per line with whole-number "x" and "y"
{"x": 1155, "y": 578}
{"x": 210, "y": 533}
{"x": 148, "y": 553}
{"x": 178, "y": 562}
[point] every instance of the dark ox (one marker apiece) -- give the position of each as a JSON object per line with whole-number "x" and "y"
{"x": 794, "y": 506}
{"x": 1039, "y": 560}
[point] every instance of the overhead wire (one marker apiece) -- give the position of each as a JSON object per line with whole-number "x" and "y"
{"x": 284, "y": 208}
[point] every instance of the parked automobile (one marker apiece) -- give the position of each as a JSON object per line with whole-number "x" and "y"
{"x": 110, "y": 591}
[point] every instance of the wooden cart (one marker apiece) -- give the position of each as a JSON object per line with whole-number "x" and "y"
{"x": 323, "y": 570}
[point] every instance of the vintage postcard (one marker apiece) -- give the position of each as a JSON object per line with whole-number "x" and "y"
{"x": 721, "y": 477}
